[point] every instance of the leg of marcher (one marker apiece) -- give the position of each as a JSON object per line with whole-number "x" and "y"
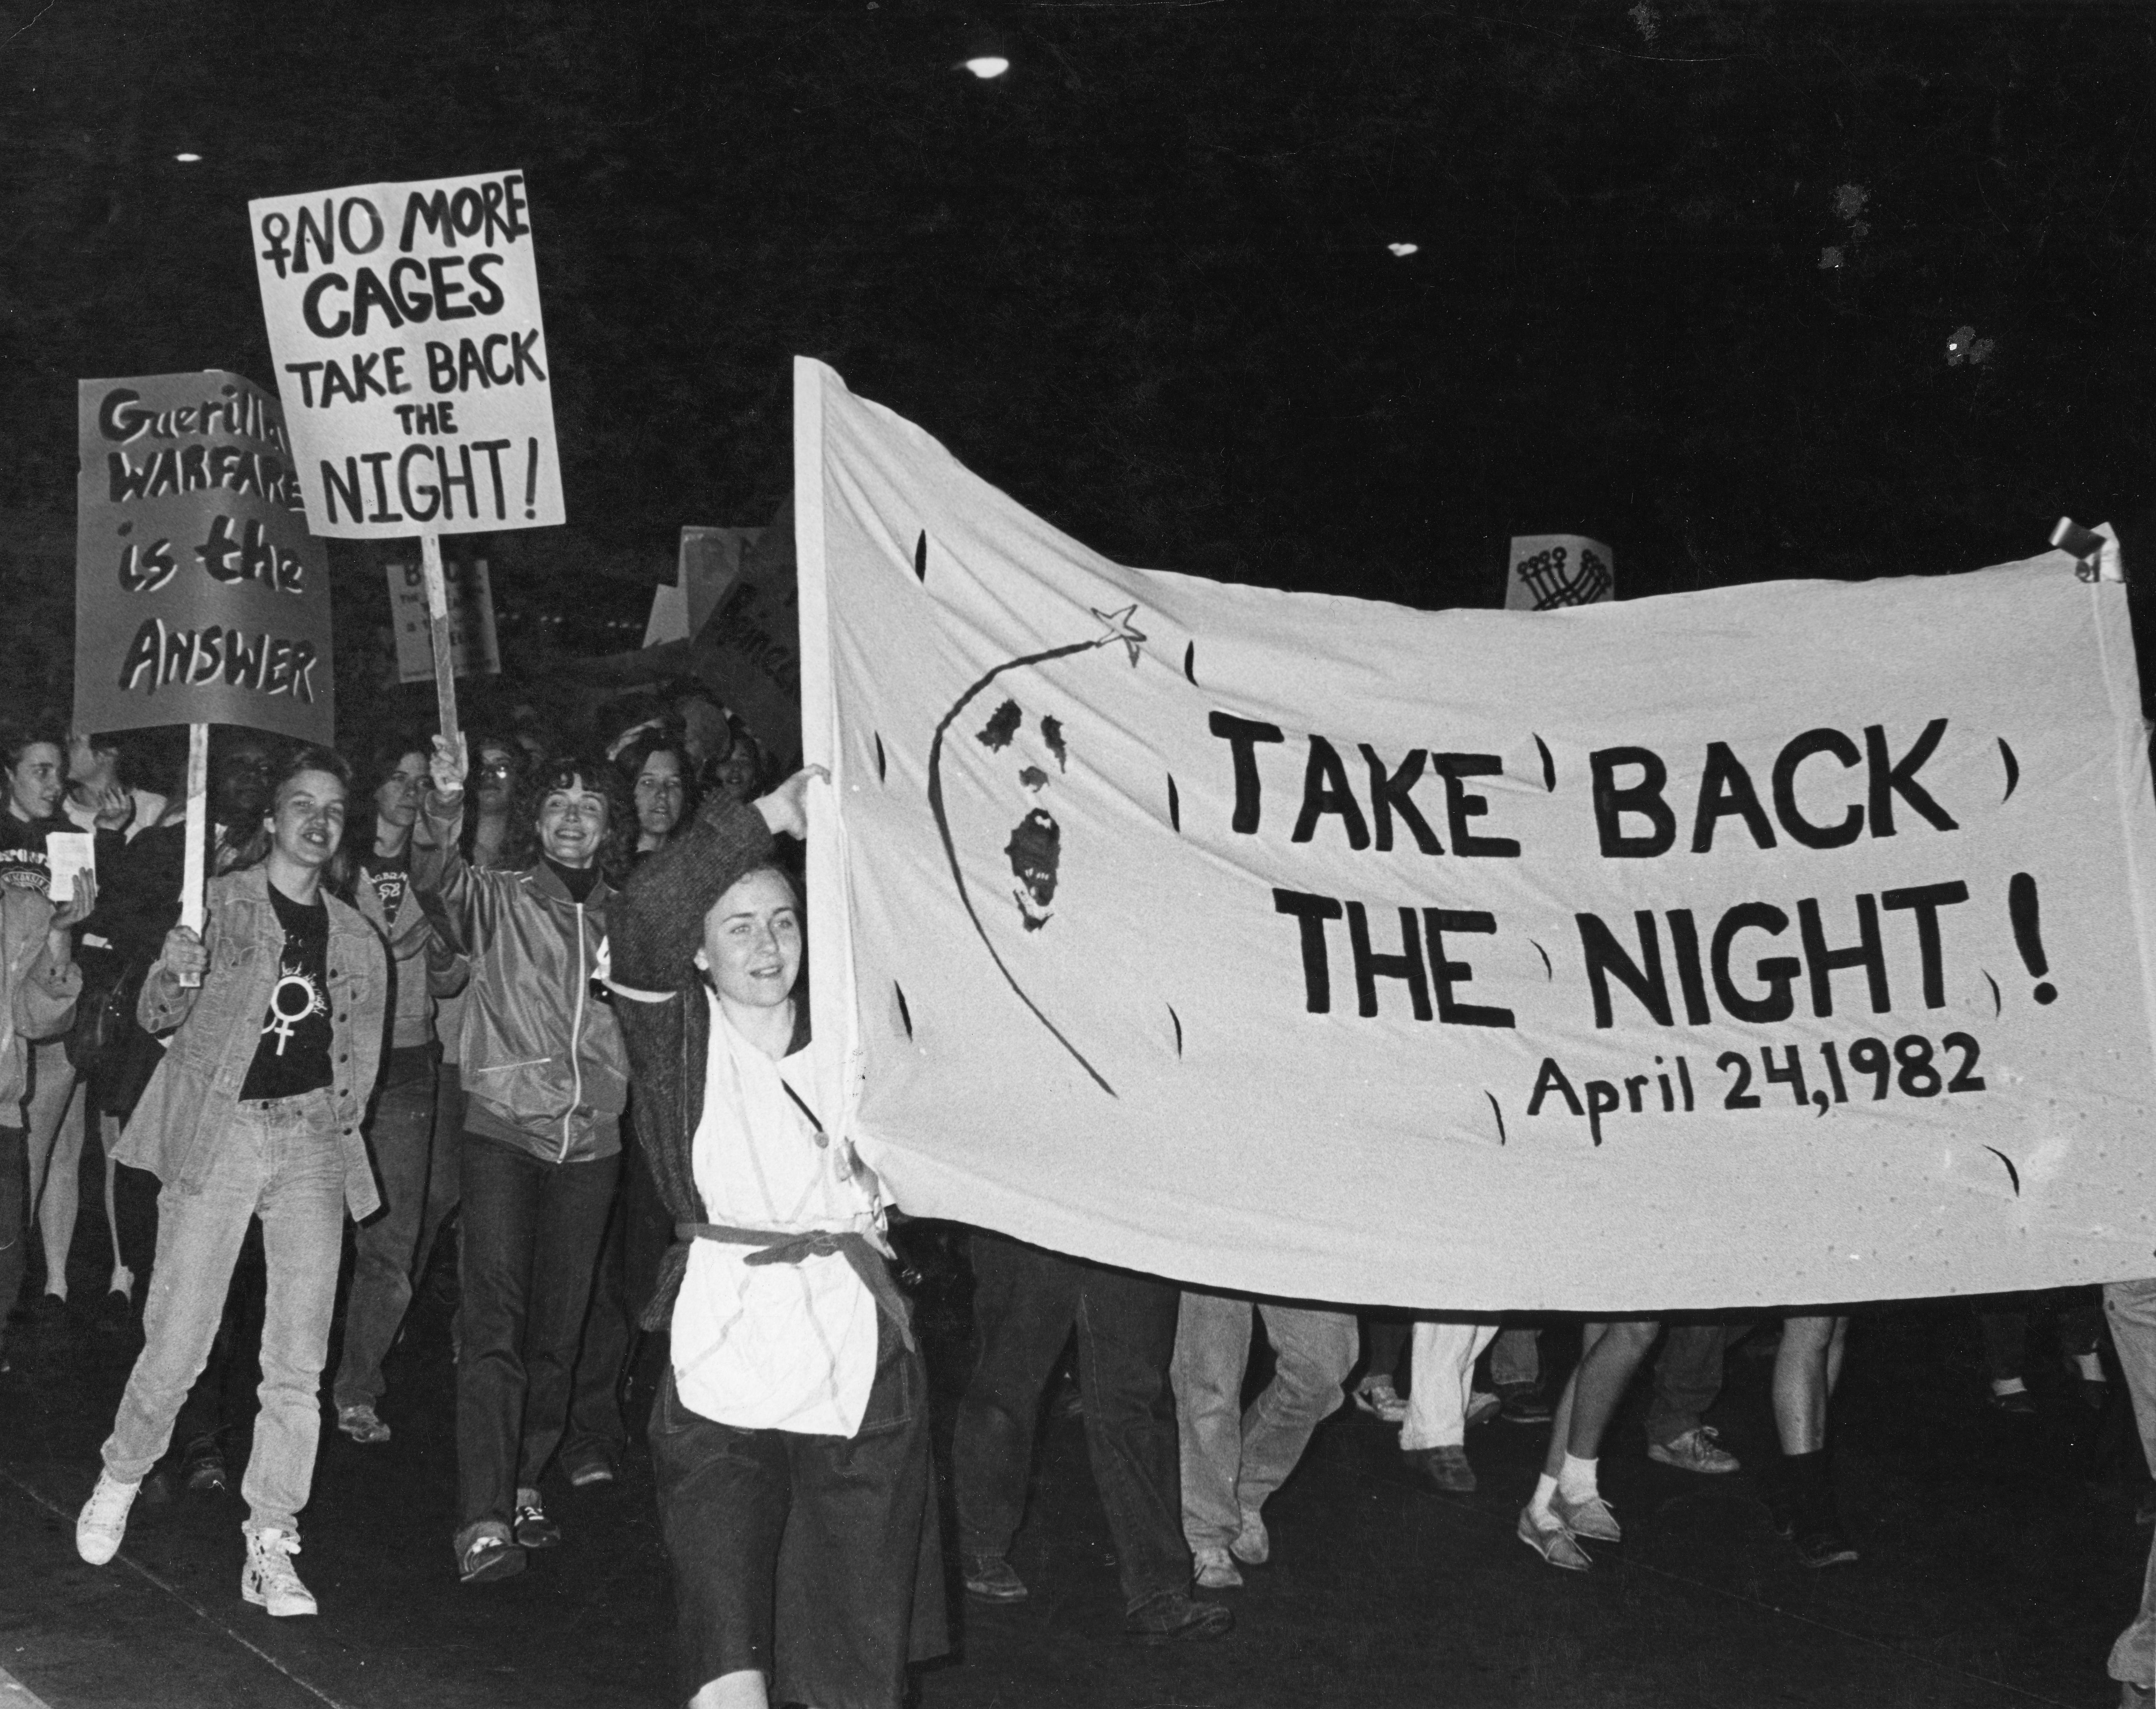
{"x": 1567, "y": 1502}
{"x": 302, "y": 1214}
{"x": 2131, "y": 1308}
{"x": 1435, "y": 1434}
{"x": 53, "y": 1116}
{"x": 122, "y": 1281}
{"x": 1800, "y": 1499}
{"x": 1024, "y": 1300}
{"x": 590, "y": 1445}
{"x": 572, "y": 1220}
{"x": 399, "y": 1138}
{"x": 723, "y": 1498}
{"x": 502, "y": 1189}
{"x": 1687, "y": 1381}
{"x": 1516, "y": 1357}
{"x": 1125, "y": 1338}
{"x": 848, "y": 1570}
{"x": 1379, "y": 1391}
{"x": 1212, "y": 1347}
{"x": 14, "y": 1219}
{"x": 1313, "y": 1353}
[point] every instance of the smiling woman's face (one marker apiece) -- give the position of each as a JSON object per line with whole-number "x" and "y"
{"x": 752, "y": 941}
{"x": 307, "y": 823}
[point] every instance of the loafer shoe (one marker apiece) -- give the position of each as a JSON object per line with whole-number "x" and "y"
{"x": 1695, "y": 1450}
{"x": 360, "y": 1423}
{"x": 1446, "y": 1467}
{"x": 1548, "y": 1538}
{"x": 1523, "y": 1403}
{"x": 1214, "y": 1569}
{"x": 1169, "y": 1614}
{"x": 1590, "y": 1518}
{"x": 1482, "y": 1406}
{"x": 1825, "y": 1546}
{"x": 1376, "y": 1396}
{"x": 487, "y": 1557}
{"x": 990, "y": 1579}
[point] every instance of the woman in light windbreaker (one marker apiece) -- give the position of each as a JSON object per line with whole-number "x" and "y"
{"x": 545, "y": 1080}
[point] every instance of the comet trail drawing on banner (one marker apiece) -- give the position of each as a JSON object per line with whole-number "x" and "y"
{"x": 1118, "y": 626}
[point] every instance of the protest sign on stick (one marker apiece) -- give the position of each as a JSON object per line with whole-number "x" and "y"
{"x": 1325, "y": 949}
{"x": 475, "y": 650}
{"x": 1551, "y": 571}
{"x": 406, "y": 318}
{"x": 199, "y": 598}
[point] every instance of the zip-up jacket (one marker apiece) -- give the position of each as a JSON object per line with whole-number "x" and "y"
{"x": 188, "y": 1105}
{"x": 541, "y": 1057}
{"x": 37, "y": 999}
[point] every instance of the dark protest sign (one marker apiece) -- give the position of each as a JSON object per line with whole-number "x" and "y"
{"x": 404, "y": 320}
{"x": 199, "y": 597}
{"x": 1788, "y": 943}
{"x": 749, "y": 651}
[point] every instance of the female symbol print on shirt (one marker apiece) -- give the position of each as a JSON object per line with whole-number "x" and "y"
{"x": 1036, "y": 848}
{"x": 292, "y": 999}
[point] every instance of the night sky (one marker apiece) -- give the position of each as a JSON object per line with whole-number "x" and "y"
{"x": 1747, "y": 292}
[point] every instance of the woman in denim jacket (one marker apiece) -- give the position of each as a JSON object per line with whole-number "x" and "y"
{"x": 255, "y": 1110}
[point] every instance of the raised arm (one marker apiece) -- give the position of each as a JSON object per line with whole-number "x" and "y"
{"x": 439, "y": 870}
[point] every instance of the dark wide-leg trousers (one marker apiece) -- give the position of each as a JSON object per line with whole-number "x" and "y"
{"x": 1026, "y": 1302}
{"x": 816, "y": 1560}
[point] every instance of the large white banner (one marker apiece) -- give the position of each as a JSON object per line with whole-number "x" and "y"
{"x": 1785, "y": 943}
{"x": 411, "y": 357}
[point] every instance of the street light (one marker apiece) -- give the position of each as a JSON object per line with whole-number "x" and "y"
{"x": 986, "y": 66}
{"x": 186, "y": 159}
{"x": 1404, "y": 249}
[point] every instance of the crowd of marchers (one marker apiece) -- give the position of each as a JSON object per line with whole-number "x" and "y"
{"x": 544, "y": 1000}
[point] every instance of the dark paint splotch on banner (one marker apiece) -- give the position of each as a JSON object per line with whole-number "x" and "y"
{"x": 200, "y": 597}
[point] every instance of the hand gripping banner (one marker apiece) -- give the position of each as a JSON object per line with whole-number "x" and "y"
{"x": 1779, "y": 944}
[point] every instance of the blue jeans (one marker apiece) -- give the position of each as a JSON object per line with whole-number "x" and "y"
{"x": 1026, "y": 1301}
{"x": 1233, "y": 1459}
{"x": 280, "y": 1161}
{"x": 415, "y": 1142}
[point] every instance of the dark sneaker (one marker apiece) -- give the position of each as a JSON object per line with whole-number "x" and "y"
{"x": 1781, "y": 1509}
{"x": 534, "y": 1530}
{"x": 1824, "y": 1545}
{"x": 990, "y": 1579}
{"x": 204, "y": 1469}
{"x": 1446, "y": 1467}
{"x": 1176, "y": 1614}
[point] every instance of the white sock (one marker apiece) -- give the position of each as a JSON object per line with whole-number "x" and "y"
{"x": 1575, "y": 1479}
{"x": 2091, "y": 1366}
{"x": 2009, "y": 1385}
{"x": 1539, "y": 1504}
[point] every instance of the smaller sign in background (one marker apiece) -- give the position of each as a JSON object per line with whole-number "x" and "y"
{"x": 473, "y": 648}
{"x": 1547, "y": 572}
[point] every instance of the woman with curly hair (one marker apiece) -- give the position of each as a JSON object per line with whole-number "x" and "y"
{"x": 545, "y": 1080}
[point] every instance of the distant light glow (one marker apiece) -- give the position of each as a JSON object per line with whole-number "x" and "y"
{"x": 989, "y": 65}
{"x": 189, "y": 159}
{"x": 1404, "y": 248}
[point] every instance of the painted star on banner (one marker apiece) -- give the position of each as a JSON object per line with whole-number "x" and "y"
{"x": 1119, "y": 628}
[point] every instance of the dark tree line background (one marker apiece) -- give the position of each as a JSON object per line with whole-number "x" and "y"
{"x": 1748, "y": 290}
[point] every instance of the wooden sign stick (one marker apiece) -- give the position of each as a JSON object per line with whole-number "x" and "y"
{"x": 438, "y": 628}
{"x": 193, "y": 868}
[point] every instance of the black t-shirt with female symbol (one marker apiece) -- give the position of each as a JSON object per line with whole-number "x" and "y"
{"x": 294, "y": 1056}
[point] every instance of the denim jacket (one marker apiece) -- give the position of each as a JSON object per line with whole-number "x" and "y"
{"x": 184, "y": 1110}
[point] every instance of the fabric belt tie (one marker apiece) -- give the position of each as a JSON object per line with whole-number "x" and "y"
{"x": 858, "y": 1251}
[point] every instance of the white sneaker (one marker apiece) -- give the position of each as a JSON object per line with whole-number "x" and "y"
{"x": 268, "y": 1580}
{"x": 1216, "y": 1569}
{"x": 1253, "y": 1546}
{"x": 103, "y": 1520}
